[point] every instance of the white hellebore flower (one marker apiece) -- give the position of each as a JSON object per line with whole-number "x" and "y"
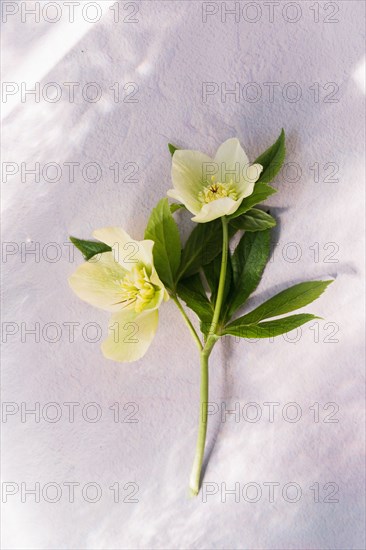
{"x": 126, "y": 283}
{"x": 211, "y": 188}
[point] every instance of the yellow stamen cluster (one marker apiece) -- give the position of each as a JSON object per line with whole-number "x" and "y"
{"x": 137, "y": 289}
{"x": 217, "y": 190}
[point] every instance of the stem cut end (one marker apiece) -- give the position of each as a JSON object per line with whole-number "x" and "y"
{"x": 193, "y": 492}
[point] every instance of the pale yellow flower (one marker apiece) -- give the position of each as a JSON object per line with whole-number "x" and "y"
{"x": 126, "y": 283}
{"x": 211, "y": 188}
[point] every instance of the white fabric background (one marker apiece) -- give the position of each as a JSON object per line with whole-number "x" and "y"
{"x": 169, "y": 53}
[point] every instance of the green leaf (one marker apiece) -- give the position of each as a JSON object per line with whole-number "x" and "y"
{"x": 176, "y": 206}
{"x": 194, "y": 283}
{"x": 192, "y": 292}
{"x": 260, "y": 193}
{"x": 254, "y": 220}
{"x": 172, "y": 148}
{"x": 292, "y": 298}
{"x": 90, "y": 248}
{"x": 202, "y": 246}
{"x": 268, "y": 329}
{"x": 272, "y": 159}
{"x": 249, "y": 260}
{"x": 162, "y": 229}
{"x": 212, "y": 274}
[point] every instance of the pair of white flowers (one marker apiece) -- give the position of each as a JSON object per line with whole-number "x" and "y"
{"x": 128, "y": 285}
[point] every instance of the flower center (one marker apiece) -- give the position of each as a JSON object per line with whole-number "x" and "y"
{"x": 217, "y": 190}
{"x": 137, "y": 289}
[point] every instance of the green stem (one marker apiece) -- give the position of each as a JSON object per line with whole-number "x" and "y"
{"x": 222, "y": 280}
{"x": 188, "y": 322}
{"x": 194, "y": 482}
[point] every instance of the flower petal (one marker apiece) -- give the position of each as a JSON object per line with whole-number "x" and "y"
{"x": 232, "y": 160}
{"x": 234, "y": 164}
{"x": 156, "y": 300}
{"x": 154, "y": 278}
{"x": 98, "y": 282}
{"x": 216, "y": 209}
{"x": 127, "y": 251}
{"x": 188, "y": 175}
{"x": 173, "y": 194}
{"x": 130, "y": 335}
{"x": 251, "y": 174}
